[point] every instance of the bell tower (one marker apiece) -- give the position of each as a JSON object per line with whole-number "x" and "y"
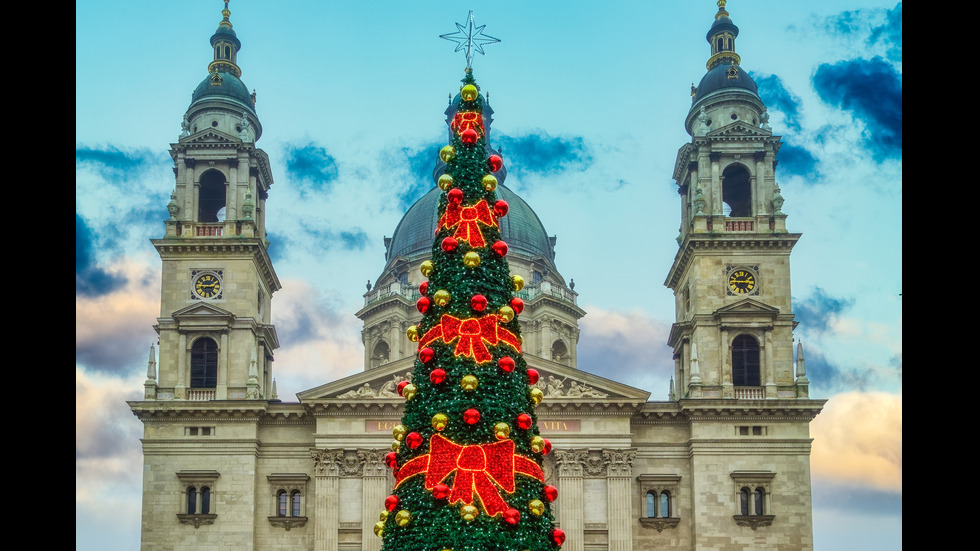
{"x": 216, "y": 336}
{"x": 733, "y": 334}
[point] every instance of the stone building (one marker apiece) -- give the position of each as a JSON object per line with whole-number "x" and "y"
{"x": 722, "y": 464}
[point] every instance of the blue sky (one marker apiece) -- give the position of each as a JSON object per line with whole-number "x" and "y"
{"x": 589, "y": 102}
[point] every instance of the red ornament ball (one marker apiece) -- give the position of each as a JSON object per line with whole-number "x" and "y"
{"x": 550, "y": 492}
{"x": 478, "y": 303}
{"x": 401, "y": 386}
{"x": 524, "y": 421}
{"x": 557, "y": 535}
{"x": 512, "y": 516}
{"x": 468, "y": 136}
{"x": 427, "y": 355}
{"x": 471, "y": 416}
{"x": 547, "y": 447}
{"x": 455, "y": 196}
{"x": 507, "y": 364}
{"x": 423, "y": 288}
{"x": 501, "y": 208}
{"x": 413, "y": 439}
{"x": 532, "y": 376}
{"x": 517, "y": 304}
{"x": 423, "y": 304}
{"x": 440, "y": 491}
{"x": 437, "y": 376}
{"x": 391, "y": 459}
{"x": 391, "y": 502}
{"x": 449, "y": 244}
{"x": 495, "y": 162}
{"x": 500, "y": 248}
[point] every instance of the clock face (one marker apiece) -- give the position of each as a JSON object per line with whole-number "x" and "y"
{"x": 741, "y": 282}
{"x": 207, "y": 286}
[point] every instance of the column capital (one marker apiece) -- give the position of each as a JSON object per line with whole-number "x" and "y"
{"x": 570, "y": 462}
{"x": 372, "y": 462}
{"x": 619, "y": 463}
{"x": 326, "y": 462}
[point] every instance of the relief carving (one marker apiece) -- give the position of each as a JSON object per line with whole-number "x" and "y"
{"x": 325, "y": 462}
{"x": 555, "y": 388}
{"x": 372, "y": 462}
{"x": 570, "y": 462}
{"x": 387, "y": 390}
{"x": 619, "y": 462}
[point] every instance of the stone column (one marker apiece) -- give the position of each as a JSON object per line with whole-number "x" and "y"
{"x": 716, "y": 191}
{"x": 375, "y": 486}
{"x": 619, "y": 478}
{"x": 180, "y": 386}
{"x": 725, "y": 351}
{"x": 759, "y": 188}
{"x": 221, "y": 389}
{"x": 769, "y": 378}
{"x": 326, "y": 513}
{"x": 571, "y": 498}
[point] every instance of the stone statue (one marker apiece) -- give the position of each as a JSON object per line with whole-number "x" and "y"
{"x": 185, "y": 127}
{"x": 243, "y": 133}
{"x": 172, "y": 207}
{"x": 777, "y": 201}
{"x": 698, "y": 202}
{"x": 765, "y": 119}
{"x": 369, "y": 285}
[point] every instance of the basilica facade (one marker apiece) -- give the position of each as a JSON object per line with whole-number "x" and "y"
{"x": 723, "y": 464}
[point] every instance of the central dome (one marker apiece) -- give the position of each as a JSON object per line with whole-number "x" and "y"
{"x": 521, "y": 229}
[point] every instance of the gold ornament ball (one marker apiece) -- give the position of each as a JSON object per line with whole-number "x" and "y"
{"x": 506, "y": 313}
{"x": 413, "y": 333}
{"x": 471, "y": 259}
{"x": 409, "y": 391}
{"x": 501, "y": 430}
{"x": 441, "y": 297}
{"x": 399, "y": 432}
{"x": 469, "y": 513}
{"x": 489, "y": 182}
{"x": 469, "y": 383}
{"x": 445, "y": 182}
{"x": 379, "y": 529}
{"x": 403, "y": 517}
{"x": 383, "y": 516}
{"x": 440, "y": 421}
{"x": 468, "y": 92}
{"x": 396, "y": 445}
{"x": 518, "y": 282}
{"x": 536, "y": 506}
{"x": 447, "y": 153}
{"x": 426, "y": 268}
{"x": 537, "y": 444}
{"x": 536, "y": 395}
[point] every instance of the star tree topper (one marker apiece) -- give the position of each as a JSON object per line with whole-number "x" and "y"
{"x": 471, "y": 38}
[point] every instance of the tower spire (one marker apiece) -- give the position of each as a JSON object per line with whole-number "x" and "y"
{"x": 721, "y": 36}
{"x": 226, "y": 45}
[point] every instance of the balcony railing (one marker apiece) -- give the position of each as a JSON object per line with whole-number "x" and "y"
{"x": 750, "y": 392}
{"x": 200, "y": 394}
{"x": 210, "y": 230}
{"x": 736, "y": 224}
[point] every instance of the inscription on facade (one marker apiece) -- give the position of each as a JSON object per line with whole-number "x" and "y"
{"x": 379, "y": 425}
{"x": 560, "y": 425}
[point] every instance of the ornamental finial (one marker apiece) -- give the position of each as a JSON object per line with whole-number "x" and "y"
{"x": 721, "y": 9}
{"x": 470, "y": 37}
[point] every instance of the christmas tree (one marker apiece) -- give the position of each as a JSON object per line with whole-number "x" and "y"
{"x": 467, "y": 454}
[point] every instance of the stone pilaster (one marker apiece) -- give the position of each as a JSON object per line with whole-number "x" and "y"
{"x": 571, "y": 498}
{"x": 375, "y": 485}
{"x": 619, "y": 477}
{"x": 326, "y": 519}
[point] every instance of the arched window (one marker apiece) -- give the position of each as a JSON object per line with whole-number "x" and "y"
{"x": 651, "y": 504}
{"x": 227, "y": 52}
{"x": 559, "y": 352}
{"x": 212, "y": 197}
{"x": 736, "y": 191}
{"x": 381, "y": 354}
{"x": 191, "y": 500}
{"x": 745, "y": 361}
{"x": 205, "y": 500}
{"x": 760, "y": 498}
{"x": 744, "y": 501}
{"x": 721, "y": 44}
{"x": 295, "y": 498}
{"x": 665, "y": 504}
{"x": 283, "y": 499}
{"x": 204, "y": 363}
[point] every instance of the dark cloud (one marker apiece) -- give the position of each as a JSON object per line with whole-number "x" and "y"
{"x": 778, "y": 98}
{"x": 540, "y": 153}
{"x": 896, "y": 364}
{"x": 353, "y": 239}
{"x": 90, "y": 279}
{"x": 311, "y": 165}
{"x": 111, "y": 431}
{"x": 117, "y": 164}
{"x": 421, "y": 162}
{"x": 890, "y": 33}
{"x": 855, "y": 499}
{"x": 798, "y": 161}
{"x": 816, "y": 311}
{"x": 872, "y": 91}
{"x": 277, "y": 246}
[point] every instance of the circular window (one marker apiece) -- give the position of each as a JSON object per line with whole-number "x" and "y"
{"x": 214, "y": 123}
{"x": 734, "y": 116}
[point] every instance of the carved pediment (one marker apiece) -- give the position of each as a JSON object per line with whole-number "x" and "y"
{"x": 739, "y": 129}
{"x": 557, "y": 382}
{"x": 746, "y": 308}
{"x": 211, "y": 136}
{"x": 200, "y": 311}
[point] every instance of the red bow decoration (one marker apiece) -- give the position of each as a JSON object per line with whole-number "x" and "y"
{"x": 469, "y": 119}
{"x": 467, "y": 219}
{"x": 471, "y": 332}
{"x": 477, "y": 468}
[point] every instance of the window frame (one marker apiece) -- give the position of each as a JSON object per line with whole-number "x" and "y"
{"x": 658, "y": 485}
{"x": 289, "y": 490}
{"x": 749, "y": 487}
{"x": 203, "y": 485}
